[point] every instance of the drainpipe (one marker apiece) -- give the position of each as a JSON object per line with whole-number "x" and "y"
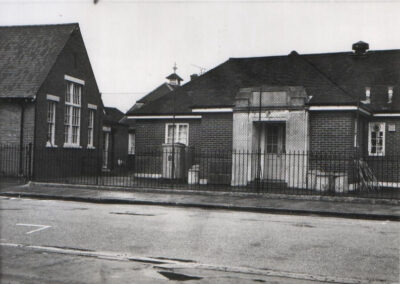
{"x": 21, "y": 139}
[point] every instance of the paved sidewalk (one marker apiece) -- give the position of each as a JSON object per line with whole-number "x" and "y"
{"x": 344, "y": 207}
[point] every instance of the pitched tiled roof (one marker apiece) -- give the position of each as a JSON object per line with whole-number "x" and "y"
{"x": 153, "y": 95}
{"x": 27, "y": 54}
{"x": 156, "y": 93}
{"x": 113, "y": 115}
{"x": 331, "y": 79}
{"x": 376, "y": 69}
{"x": 174, "y": 76}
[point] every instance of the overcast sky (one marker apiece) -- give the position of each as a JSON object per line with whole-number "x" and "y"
{"x": 133, "y": 45}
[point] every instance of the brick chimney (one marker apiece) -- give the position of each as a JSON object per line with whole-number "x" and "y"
{"x": 360, "y": 48}
{"x": 193, "y": 76}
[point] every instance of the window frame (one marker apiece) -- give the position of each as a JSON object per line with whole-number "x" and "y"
{"x": 177, "y": 125}
{"x": 51, "y": 107}
{"x": 131, "y": 146}
{"x": 382, "y": 125}
{"x": 90, "y": 130}
{"x": 72, "y": 114}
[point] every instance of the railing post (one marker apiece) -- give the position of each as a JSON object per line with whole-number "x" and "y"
{"x": 98, "y": 165}
{"x": 29, "y": 166}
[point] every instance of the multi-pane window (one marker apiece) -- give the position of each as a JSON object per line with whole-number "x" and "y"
{"x": 72, "y": 116}
{"x": 51, "y": 122}
{"x": 131, "y": 144}
{"x": 272, "y": 140}
{"x": 90, "y": 127}
{"x": 275, "y": 139}
{"x": 177, "y": 133}
{"x": 376, "y": 139}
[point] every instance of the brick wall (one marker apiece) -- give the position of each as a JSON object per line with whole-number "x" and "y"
{"x": 209, "y": 136}
{"x": 73, "y": 61}
{"x": 393, "y": 138}
{"x": 10, "y": 117}
{"x": 331, "y": 131}
{"x": 151, "y": 133}
{"x": 216, "y": 132}
{"x": 10, "y": 131}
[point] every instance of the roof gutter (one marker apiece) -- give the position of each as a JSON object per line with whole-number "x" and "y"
{"x": 339, "y": 108}
{"x": 164, "y": 116}
{"x": 386, "y": 114}
{"x": 214, "y": 110}
{"x": 21, "y": 99}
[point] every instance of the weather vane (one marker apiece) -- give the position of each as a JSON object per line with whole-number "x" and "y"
{"x": 175, "y": 68}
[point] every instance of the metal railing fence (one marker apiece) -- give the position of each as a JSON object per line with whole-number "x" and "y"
{"x": 298, "y": 173}
{"x": 16, "y": 161}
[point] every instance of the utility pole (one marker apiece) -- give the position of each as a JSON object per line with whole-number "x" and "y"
{"x": 259, "y": 139}
{"x": 173, "y": 129}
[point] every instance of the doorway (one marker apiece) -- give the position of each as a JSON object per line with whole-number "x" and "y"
{"x": 272, "y": 160}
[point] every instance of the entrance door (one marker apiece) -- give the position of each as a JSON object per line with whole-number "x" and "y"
{"x": 106, "y": 146}
{"x": 273, "y": 139}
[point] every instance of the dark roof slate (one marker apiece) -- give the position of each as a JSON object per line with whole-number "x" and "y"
{"x": 153, "y": 95}
{"x": 377, "y": 70}
{"x": 331, "y": 79}
{"x": 174, "y": 76}
{"x": 27, "y": 54}
{"x": 113, "y": 115}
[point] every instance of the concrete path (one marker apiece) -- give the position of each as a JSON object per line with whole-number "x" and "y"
{"x": 374, "y": 209}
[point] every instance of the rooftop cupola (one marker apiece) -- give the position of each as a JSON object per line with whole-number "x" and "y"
{"x": 173, "y": 78}
{"x": 360, "y": 48}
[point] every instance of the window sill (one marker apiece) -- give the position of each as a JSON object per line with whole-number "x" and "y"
{"x": 90, "y": 147}
{"x": 376, "y": 155}
{"x": 48, "y": 145}
{"x": 72, "y": 146}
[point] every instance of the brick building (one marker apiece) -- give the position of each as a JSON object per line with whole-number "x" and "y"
{"x": 117, "y": 145}
{"x": 48, "y": 94}
{"x": 342, "y": 102}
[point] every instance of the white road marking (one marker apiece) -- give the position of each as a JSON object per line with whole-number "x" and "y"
{"x": 41, "y": 227}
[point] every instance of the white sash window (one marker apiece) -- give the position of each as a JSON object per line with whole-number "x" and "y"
{"x": 91, "y": 127}
{"x": 72, "y": 116}
{"x": 131, "y": 144}
{"x": 376, "y": 139}
{"x": 51, "y": 123}
{"x": 178, "y": 133}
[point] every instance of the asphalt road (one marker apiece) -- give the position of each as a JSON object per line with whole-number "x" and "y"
{"x": 134, "y": 244}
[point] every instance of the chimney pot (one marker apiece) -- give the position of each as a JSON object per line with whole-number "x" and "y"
{"x": 193, "y": 76}
{"x": 367, "y": 95}
{"x": 390, "y": 95}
